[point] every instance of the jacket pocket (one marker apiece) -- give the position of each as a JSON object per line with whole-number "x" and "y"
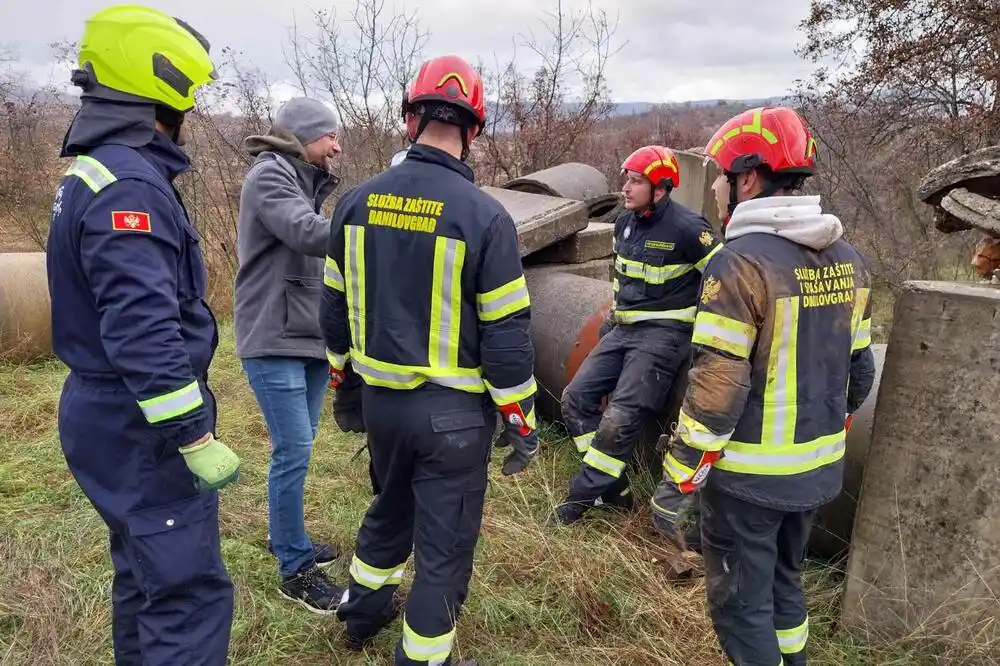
{"x": 175, "y": 544}
{"x": 192, "y": 276}
{"x": 302, "y": 298}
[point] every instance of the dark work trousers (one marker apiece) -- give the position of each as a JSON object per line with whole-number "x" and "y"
{"x": 636, "y": 364}
{"x": 172, "y": 597}
{"x": 430, "y": 449}
{"x": 753, "y": 564}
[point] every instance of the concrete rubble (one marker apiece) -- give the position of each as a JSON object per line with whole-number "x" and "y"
{"x": 925, "y": 554}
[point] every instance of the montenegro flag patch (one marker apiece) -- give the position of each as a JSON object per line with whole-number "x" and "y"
{"x": 130, "y": 220}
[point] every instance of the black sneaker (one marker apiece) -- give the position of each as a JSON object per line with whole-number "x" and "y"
{"x": 569, "y": 512}
{"x": 323, "y": 553}
{"x": 311, "y": 588}
{"x": 358, "y": 643}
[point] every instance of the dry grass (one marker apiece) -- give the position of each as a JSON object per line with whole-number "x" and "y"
{"x": 594, "y": 594}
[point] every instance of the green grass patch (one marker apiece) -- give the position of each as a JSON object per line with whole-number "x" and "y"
{"x": 594, "y": 594}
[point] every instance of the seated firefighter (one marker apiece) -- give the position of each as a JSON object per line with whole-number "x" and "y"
{"x": 660, "y": 249}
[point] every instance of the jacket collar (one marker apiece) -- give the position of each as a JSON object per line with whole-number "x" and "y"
{"x": 166, "y": 156}
{"x": 421, "y": 152}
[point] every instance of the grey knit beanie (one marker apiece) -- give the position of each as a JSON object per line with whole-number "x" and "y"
{"x": 308, "y": 119}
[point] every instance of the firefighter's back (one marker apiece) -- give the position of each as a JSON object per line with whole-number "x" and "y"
{"x": 414, "y": 237}
{"x": 787, "y": 449}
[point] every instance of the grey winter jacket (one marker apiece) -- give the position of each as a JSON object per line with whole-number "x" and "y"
{"x": 280, "y": 244}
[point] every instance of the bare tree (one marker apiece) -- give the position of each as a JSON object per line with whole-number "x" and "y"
{"x": 362, "y": 64}
{"x": 536, "y": 121}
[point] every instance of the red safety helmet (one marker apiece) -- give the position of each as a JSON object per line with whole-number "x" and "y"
{"x": 449, "y": 80}
{"x": 772, "y": 136}
{"x": 656, "y": 163}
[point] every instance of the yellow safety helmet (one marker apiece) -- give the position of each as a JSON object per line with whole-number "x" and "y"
{"x": 134, "y": 53}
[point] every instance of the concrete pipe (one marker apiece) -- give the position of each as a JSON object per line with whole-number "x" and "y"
{"x": 566, "y": 315}
{"x": 831, "y": 533}
{"x": 571, "y": 180}
{"x": 25, "y": 318}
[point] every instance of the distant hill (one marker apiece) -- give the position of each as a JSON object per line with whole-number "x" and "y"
{"x": 635, "y": 108}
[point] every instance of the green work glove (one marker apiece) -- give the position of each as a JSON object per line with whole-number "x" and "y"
{"x": 215, "y": 465}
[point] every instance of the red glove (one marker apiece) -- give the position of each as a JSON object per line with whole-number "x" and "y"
{"x": 847, "y": 423}
{"x": 513, "y": 415}
{"x": 336, "y": 377}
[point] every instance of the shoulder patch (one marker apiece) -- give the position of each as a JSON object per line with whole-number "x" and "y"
{"x": 711, "y": 289}
{"x": 706, "y": 239}
{"x": 129, "y": 220}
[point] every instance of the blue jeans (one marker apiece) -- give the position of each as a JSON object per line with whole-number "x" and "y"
{"x": 290, "y": 392}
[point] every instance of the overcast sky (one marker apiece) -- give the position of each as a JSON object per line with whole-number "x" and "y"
{"x": 671, "y": 50}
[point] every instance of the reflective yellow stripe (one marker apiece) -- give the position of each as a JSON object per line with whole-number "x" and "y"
{"x": 506, "y": 396}
{"x": 332, "y": 276}
{"x": 723, "y": 333}
{"x": 603, "y": 462}
{"x": 530, "y": 418}
{"x": 375, "y": 578}
{"x": 434, "y": 649}
{"x": 774, "y": 460}
{"x": 173, "y": 404}
{"x": 781, "y": 387}
{"x": 583, "y": 441}
{"x": 753, "y": 128}
{"x": 675, "y": 469}
{"x": 392, "y": 375}
{"x": 354, "y": 279}
{"x": 648, "y": 272}
{"x": 633, "y": 316}
{"x": 336, "y": 360}
{"x": 504, "y": 300}
{"x": 446, "y": 302}
{"x": 90, "y": 171}
{"x": 704, "y": 260}
{"x": 793, "y": 641}
{"x": 698, "y": 436}
{"x": 861, "y": 328}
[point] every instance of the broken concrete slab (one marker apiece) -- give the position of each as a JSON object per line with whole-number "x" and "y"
{"x": 571, "y": 180}
{"x": 925, "y": 553}
{"x": 596, "y": 269}
{"x": 978, "y": 173}
{"x": 594, "y": 242}
{"x": 540, "y": 220}
{"x": 974, "y": 210}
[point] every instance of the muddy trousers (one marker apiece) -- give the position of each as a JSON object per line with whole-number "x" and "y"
{"x": 171, "y": 595}
{"x": 430, "y": 451}
{"x": 753, "y": 565}
{"x": 636, "y": 364}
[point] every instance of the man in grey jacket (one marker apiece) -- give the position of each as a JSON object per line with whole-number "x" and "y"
{"x": 281, "y": 245}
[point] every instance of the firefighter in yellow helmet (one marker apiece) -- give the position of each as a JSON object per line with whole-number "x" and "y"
{"x": 127, "y": 283}
{"x": 782, "y": 356}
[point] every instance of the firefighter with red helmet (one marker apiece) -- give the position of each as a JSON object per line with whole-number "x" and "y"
{"x": 781, "y": 355}
{"x": 660, "y": 249}
{"x": 425, "y": 298}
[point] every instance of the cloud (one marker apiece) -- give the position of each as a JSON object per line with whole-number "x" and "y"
{"x": 670, "y": 51}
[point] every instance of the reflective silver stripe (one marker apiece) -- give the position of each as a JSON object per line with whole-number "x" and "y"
{"x": 90, "y": 171}
{"x": 740, "y": 455}
{"x": 404, "y": 377}
{"x": 434, "y": 650}
{"x": 677, "y": 472}
{"x": 336, "y": 360}
{"x": 521, "y": 293}
{"x": 632, "y": 316}
{"x": 517, "y": 393}
{"x": 649, "y": 273}
{"x": 583, "y": 441}
{"x": 172, "y": 404}
{"x": 601, "y": 461}
{"x": 705, "y": 329}
{"x": 441, "y": 331}
{"x": 704, "y": 260}
{"x": 780, "y": 394}
{"x": 373, "y": 577}
{"x": 355, "y": 259}
{"x": 331, "y": 275}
